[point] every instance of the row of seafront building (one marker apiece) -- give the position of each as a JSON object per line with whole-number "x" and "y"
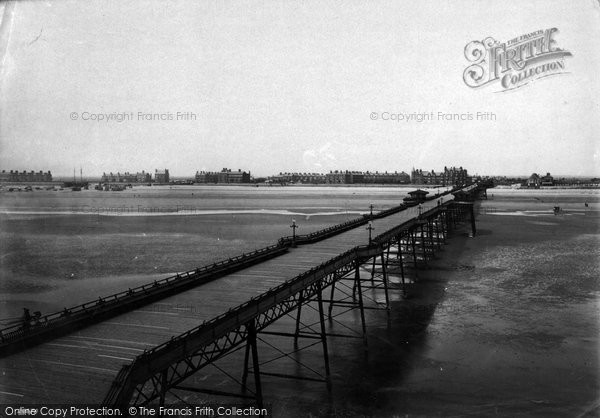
{"x": 160, "y": 176}
{"x": 14, "y": 176}
{"x": 449, "y": 176}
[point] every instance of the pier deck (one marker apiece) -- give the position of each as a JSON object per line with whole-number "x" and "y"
{"x": 80, "y": 367}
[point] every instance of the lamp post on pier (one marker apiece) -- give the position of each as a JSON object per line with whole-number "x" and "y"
{"x": 371, "y": 211}
{"x": 370, "y": 228}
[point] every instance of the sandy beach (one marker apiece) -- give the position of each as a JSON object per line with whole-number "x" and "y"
{"x": 58, "y": 251}
{"x": 516, "y": 332}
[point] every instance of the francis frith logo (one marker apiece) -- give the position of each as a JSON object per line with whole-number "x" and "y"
{"x": 516, "y": 62}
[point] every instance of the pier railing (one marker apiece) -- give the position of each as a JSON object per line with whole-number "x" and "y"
{"x": 74, "y": 317}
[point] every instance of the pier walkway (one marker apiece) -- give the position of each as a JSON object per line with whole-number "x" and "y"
{"x": 136, "y": 356}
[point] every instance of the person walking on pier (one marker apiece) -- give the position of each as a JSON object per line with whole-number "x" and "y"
{"x": 26, "y": 318}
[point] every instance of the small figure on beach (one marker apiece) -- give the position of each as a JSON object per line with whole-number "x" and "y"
{"x": 586, "y": 204}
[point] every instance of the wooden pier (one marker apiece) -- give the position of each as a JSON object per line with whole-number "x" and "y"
{"x": 139, "y": 346}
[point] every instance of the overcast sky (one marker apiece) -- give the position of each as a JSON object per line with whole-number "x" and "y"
{"x": 289, "y": 86}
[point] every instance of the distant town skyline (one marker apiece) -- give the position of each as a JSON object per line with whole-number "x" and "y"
{"x": 80, "y": 174}
{"x": 266, "y": 173}
{"x": 298, "y": 87}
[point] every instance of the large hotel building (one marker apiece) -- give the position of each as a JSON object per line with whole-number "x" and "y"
{"x": 449, "y": 177}
{"x": 343, "y": 177}
{"x": 226, "y": 175}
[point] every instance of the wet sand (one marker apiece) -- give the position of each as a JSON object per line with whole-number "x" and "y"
{"x": 59, "y": 249}
{"x": 54, "y": 261}
{"x": 517, "y": 330}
